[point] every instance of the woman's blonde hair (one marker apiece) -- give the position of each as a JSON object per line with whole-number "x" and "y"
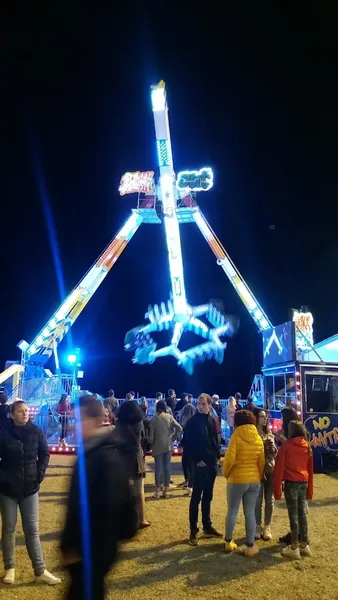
{"x": 232, "y": 401}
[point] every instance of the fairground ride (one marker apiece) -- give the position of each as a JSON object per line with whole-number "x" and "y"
{"x": 294, "y": 369}
{"x": 171, "y": 200}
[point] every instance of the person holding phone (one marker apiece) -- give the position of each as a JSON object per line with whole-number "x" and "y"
{"x": 201, "y": 446}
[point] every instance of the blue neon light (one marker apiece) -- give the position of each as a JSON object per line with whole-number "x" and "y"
{"x": 163, "y": 153}
{"x": 72, "y": 358}
{"x": 195, "y": 181}
{"x": 139, "y": 340}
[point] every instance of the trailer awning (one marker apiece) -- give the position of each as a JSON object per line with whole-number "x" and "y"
{"x": 327, "y": 349}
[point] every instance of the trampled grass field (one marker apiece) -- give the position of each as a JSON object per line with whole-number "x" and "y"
{"x": 160, "y": 564}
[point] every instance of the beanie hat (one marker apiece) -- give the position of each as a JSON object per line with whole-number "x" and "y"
{"x": 130, "y": 413}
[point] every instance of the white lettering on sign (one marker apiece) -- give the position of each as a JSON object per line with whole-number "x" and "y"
{"x": 140, "y": 182}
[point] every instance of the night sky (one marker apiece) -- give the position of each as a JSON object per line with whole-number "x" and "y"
{"x": 253, "y": 94}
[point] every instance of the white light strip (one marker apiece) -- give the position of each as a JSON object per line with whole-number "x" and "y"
{"x": 175, "y": 264}
{"x": 169, "y": 203}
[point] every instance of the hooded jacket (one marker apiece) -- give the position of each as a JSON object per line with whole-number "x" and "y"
{"x": 294, "y": 462}
{"x": 24, "y": 457}
{"x": 101, "y": 507}
{"x": 244, "y": 460}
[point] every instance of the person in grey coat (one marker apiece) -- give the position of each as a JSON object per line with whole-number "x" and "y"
{"x": 163, "y": 431}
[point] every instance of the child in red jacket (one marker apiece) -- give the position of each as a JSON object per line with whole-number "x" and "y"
{"x": 294, "y": 466}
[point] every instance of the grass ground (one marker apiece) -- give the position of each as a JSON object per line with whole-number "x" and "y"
{"x": 160, "y": 564}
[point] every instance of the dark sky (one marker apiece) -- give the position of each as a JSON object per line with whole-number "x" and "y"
{"x": 252, "y": 92}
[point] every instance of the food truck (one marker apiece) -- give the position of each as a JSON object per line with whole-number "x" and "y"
{"x": 299, "y": 373}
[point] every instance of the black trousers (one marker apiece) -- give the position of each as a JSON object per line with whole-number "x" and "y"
{"x": 202, "y": 489}
{"x": 187, "y": 469}
{"x": 78, "y": 589}
{"x": 63, "y": 421}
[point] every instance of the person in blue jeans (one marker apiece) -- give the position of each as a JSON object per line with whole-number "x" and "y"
{"x": 24, "y": 457}
{"x": 200, "y": 444}
{"x": 164, "y": 429}
{"x": 243, "y": 468}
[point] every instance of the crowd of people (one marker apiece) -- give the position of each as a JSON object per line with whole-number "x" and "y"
{"x": 106, "y": 502}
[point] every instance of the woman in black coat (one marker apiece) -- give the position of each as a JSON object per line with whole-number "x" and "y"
{"x": 24, "y": 458}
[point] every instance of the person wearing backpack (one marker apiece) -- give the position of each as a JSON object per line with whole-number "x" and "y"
{"x": 101, "y": 509}
{"x": 266, "y": 490}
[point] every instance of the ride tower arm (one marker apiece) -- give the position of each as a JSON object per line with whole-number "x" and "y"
{"x": 58, "y": 325}
{"x": 223, "y": 259}
{"x": 169, "y": 197}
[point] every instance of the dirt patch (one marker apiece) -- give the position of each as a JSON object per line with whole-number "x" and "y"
{"x": 160, "y": 564}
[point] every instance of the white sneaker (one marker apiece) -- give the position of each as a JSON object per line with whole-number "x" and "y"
{"x": 47, "y": 578}
{"x": 290, "y": 552}
{"x": 189, "y": 492}
{"x": 305, "y": 551}
{"x": 157, "y": 495}
{"x": 266, "y": 533}
{"x": 258, "y": 532}
{"x": 9, "y": 576}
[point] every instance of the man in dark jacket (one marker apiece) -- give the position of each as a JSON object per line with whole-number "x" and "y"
{"x": 101, "y": 508}
{"x": 4, "y": 409}
{"x": 171, "y": 400}
{"x": 181, "y": 403}
{"x": 201, "y": 445}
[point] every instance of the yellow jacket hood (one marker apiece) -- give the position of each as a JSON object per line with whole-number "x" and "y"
{"x": 247, "y": 433}
{"x": 244, "y": 459}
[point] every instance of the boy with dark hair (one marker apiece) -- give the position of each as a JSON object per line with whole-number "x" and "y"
{"x": 171, "y": 400}
{"x": 101, "y": 509}
{"x": 181, "y": 403}
{"x": 238, "y": 398}
{"x": 201, "y": 446}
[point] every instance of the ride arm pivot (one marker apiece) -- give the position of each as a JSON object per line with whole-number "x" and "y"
{"x": 55, "y": 329}
{"x": 223, "y": 259}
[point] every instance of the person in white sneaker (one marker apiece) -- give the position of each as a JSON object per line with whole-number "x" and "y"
{"x": 24, "y": 457}
{"x": 266, "y": 491}
{"x": 163, "y": 430}
{"x": 294, "y": 466}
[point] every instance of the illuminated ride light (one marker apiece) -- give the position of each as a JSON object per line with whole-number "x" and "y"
{"x": 273, "y": 340}
{"x": 62, "y": 449}
{"x": 140, "y": 182}
{"x": 195, "y": 181}
{"x": 304, "y": 330}
{"x": 177, "y": 316}
{"x": 59, "y": 324}
{"x": 161, "y": 318}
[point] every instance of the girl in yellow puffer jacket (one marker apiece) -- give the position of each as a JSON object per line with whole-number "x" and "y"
{"x": 243, "y": 468}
